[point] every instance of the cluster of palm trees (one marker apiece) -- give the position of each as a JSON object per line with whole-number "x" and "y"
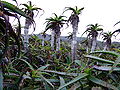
{"x": 55, "y": 24}
{"x": 93, "y": 31}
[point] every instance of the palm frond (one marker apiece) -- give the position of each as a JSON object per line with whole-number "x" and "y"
{"x": 25, "y": 5}
{"x": 74, "y": 10}
{"x": 56, "y": 21}
{"x": 117, "y": 23}
{"x": 36, "y": 8}
{"x": 69, "y": 8}
{"x": 116, "y": 31}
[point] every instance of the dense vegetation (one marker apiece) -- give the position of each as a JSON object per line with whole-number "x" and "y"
{"x": 38, "y": 64}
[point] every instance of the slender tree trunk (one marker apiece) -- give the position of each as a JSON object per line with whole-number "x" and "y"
{"x": 43, "y": 40}
{"x": 107, "y": 46}
{"x": 58, "y": 41}
{"x": 26, "y": 36}
{"x": 74, "y": 43}
{"x": 52, "y": 39}
{"x": 94, "y": 43}
{"x": 87, "y": 49}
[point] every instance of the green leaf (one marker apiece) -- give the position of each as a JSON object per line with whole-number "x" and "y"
{"x": 62, "y": 73}
{"x": 102, "y": 83}
{"x": 107, "y": 52}
{"x": 115, "y": 64}
{"x": 106, "y": 68}
{"x": 26, "y": 77}
{"x": 62, "y": 82}
{"x": 43, "y": 67}
{"x": 50, "y": 80}
{"x": 47, "y": 86}
{"x": 30, "y": 66}
{"x": 75, "y": 86}
{"x": 47, "y": 80}
{"x": 80, "y": 63}
{"x": 68, "y": 59}
{"x": 99, "y": 59}
{"x": 82, "y": 75}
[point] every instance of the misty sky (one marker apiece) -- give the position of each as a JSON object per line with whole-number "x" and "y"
{"x": 104, "y": 12}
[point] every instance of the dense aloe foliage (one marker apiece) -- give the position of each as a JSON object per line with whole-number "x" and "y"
{"x": 48, "y": 63}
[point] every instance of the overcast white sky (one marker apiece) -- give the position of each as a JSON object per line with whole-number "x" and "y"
{"x": 104, "y": 12}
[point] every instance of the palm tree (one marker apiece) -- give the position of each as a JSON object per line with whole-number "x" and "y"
{"x": 107, "y": 38}
{"x": 29, "y": 10}
{"x": 55, "y": 24}
{"x": 93, "y": 33}
{"x": 74, "y": 20}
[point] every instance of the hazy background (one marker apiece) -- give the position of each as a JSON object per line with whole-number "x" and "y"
{"x": 104, "y": 12}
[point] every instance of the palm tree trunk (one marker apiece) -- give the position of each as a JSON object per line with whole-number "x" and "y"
{"x": 107, "y": 46}
{"x": 58, "y": 41}
{"x": 87, "y": 46}
{"x": 26, "y": 36}
{"x": 74, "y": 43}
{"x": 94, "y": 43}
{"x": 43, "y": 40}
{"x": 87, "y": 49}
{"x": 52, "y": 39}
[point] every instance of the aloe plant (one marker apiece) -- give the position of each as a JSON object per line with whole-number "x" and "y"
{"x": 29, "y": 11}
{"x": 82, "y": 75}
{"x": 74, "y": 20}
{"x": 103, "y": 83}
{"x": 93, "y": 34}
{"x": 55, "y": 24}
{"x": 37, "y": 73}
